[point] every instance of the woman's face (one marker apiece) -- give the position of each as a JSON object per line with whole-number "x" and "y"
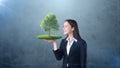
{"x": 67, "y": 28}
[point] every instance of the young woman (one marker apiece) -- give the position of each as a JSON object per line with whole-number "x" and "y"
{"x": 73, "y": 49}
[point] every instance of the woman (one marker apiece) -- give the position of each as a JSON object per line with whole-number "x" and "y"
{"x": 73, "y": 49}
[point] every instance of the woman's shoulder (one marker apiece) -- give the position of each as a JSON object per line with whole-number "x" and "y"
{"x": 64, "y": 39}
{"x": 81, "y": 41}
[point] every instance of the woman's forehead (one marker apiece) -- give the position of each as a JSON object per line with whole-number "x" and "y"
{"x": 66, "y": 23}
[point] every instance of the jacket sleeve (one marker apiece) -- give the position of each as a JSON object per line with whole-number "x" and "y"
{"x": 83, "y": 54}
{"x": 59, "y": 52}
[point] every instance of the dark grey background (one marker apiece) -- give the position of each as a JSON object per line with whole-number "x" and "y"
{"x": 98, "y": 20}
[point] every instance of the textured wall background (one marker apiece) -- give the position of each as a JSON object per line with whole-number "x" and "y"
{"x": 98, "y": 20}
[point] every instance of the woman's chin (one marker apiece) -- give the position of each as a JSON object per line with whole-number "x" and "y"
{"x": 65, "y": 33}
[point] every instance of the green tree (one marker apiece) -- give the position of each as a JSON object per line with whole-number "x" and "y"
{"x": 49, "y": 22}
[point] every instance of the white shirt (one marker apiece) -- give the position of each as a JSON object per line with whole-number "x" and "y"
{"x": 69, "y": 44}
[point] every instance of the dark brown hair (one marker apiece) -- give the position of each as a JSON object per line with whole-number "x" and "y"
{"x": 74, "y": 24}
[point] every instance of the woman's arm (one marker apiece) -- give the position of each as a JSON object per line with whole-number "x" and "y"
{"x": 54, "y": 44}
{"x": 58, "y": 52}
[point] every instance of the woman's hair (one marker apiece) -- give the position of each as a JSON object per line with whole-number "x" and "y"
{"x": 73, "y": 23}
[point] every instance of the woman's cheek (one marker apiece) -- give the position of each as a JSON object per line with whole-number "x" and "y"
{"x": 65, "y": 32}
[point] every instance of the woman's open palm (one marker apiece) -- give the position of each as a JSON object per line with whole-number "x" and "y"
{"x": 51, "y": 40}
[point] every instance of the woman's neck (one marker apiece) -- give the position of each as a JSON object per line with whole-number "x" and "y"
{"x": 70, "y": 36}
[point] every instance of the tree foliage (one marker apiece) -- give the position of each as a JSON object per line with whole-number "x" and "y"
{"x": 49, "y": 22}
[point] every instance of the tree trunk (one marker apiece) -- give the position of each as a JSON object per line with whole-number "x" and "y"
{"x": 49, "y": 29}
{"x": 49, "y": 32}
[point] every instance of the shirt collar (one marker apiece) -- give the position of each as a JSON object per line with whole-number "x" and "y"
{"x": 72, "y": 39}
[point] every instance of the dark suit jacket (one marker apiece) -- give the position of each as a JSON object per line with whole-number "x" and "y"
{"x": 77, "y": 55}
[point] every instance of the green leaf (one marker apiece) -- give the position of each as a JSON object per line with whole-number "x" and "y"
{"x": 49, "y": 22}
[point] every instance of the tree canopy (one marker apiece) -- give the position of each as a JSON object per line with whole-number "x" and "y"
{"x": 49, "y": 22}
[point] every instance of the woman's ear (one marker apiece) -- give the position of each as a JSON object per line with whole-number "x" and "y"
{"x": 73, "y": 28}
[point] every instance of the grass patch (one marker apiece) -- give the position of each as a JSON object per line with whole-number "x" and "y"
{"x": 49, "y": 37}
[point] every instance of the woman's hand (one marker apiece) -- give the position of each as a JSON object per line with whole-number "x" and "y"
{"x": 54, "y": 43}
{"x": 51, "y": 40}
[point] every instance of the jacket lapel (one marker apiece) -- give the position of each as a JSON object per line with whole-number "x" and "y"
{"x": 72, "y": 47}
